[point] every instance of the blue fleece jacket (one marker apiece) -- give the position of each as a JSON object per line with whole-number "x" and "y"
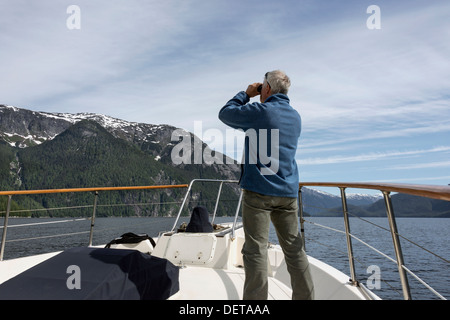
{"x": 269, "y": 167}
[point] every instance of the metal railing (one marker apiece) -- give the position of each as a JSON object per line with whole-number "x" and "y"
{"x": 434, "y": 192}
{"x": 71, "y": 190}
{"x": 103, "y": 189}
{"x": 217, "y": 201}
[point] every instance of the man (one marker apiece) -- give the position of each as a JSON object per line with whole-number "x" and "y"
{"x": 270, "y": 183}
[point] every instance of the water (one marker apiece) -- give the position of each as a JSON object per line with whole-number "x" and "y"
{"x": 323, "y": 244}
{"x": 432, "y": 234}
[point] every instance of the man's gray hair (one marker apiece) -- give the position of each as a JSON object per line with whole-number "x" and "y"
{"x": 279, "y": 82}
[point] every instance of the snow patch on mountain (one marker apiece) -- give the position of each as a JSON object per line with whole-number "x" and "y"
{"x": 27, "y": 128}
{"x": 361, "y": 196}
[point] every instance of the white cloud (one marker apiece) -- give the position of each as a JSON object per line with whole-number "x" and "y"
{"x": 170, "y": 56}
{"x": 436, "y": 164}
{"x": 416, "y": 179}
{"x": 369, "y": 156}
{"x": 361, "y": 79}
{"x": 351, "y": 135}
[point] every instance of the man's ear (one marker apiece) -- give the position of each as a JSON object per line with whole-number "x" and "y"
{"x": 268, "y": 91}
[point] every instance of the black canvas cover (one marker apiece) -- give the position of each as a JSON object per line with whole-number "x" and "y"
{"x": 199, "y": 221}
{"x": 103, "y": 274}
{"x": 131, "y": 237}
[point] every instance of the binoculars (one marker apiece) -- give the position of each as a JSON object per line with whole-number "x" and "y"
{"x": 259, "y": 88}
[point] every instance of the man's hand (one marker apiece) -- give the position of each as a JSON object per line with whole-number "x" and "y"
{"x": 252, "y": 89}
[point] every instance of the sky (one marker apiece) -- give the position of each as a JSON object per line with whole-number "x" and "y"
{"x": 372, "y": 86}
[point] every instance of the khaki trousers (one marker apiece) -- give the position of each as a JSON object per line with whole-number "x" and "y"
{"x": 257, "y": 211}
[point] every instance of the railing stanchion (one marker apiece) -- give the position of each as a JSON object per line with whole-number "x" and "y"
{"x": 217, "y": 202}
{"x": 182, "y": 205}
{"x": 351, "y": 260}
{"x": 5, "y": 226}
{"x": 187, "y": 195}
{"x": 397, "y": 247}
{"x": 91, "y": 234}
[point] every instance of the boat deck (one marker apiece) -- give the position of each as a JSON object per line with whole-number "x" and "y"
{"x": 220, "y": 284}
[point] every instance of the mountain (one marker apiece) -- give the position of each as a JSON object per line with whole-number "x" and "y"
{"x": 360, "y": 205}
{"x": 319, "y": 203}
{"x": 406, "y": 205}
{"x": 41, "y": 150}
{"x": 23, "y": 128}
